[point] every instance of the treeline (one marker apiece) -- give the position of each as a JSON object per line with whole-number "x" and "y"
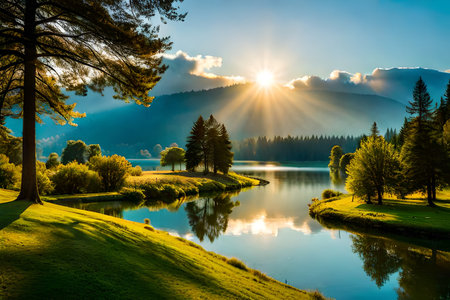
{"x": 299, "y": 148}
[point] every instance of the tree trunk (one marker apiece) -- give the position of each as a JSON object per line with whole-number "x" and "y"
{"x": 368, "y": 200}
{"x": 380, "y": 196}
{"x": 433, "y": 186}
{"x": 29, "y": 190}
{"x": 429, "y": 195}
{"x": 173, "y": 167}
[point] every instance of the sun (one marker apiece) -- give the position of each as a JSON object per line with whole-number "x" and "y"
{"x": 265, "y": 79}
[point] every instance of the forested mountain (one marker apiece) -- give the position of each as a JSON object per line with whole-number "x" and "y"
{"x": 246, "y": 111}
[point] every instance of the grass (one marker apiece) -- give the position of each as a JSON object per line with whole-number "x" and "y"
{"x": 169, "y": 185}
{"x": 50, "y": 251}
{"x": 410, "y": 216}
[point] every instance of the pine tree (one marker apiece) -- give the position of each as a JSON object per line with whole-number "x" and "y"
{"x": 421, "y": 104}
{"x": 374, "y": 132}
{"x": 195, "y": 146}
{"x": 225, "y": 156}
{"x": 212, "y": 144}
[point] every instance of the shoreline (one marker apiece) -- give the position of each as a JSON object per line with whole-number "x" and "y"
{"x": 405, "y": 219}
{"x": 167, "y": 186}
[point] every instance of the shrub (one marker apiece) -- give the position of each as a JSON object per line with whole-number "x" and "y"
{"x": 136, "y": 171}
{"x": 75, "y": 178}
{"x": 45, "y": 185}
{"x": 134, "y": 195}
{"x": 237, "y": 263}
{"x": 327, "y": 194}
{"x": 147, "y": 221}
{"x": 53, "y": 161}
{"x": 112, "y": 170}
{"x": 9, "y": 173}
{"x": 166, "y": 192}
{"x": 260, "y": 275}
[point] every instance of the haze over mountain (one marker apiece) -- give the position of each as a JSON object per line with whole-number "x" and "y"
{"x": 342, "y": 104}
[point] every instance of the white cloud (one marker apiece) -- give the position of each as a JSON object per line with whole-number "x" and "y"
{"x": 186, "y": 73}
{"x": 396, "y": 83}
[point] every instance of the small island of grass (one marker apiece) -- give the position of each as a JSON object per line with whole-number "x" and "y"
{"x": 51, "y": 251}
{"x": 407, "y": 216}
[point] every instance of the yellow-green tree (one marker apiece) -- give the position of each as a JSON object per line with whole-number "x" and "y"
{"x": 171, "y": 156}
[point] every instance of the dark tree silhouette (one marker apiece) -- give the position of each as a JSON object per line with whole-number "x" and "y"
{"x": 48, "y": 45}
{"x": 195, "y": 145}
{"x": 75, "y": 151}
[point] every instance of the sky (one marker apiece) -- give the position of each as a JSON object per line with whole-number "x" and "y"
{"x": 294, "y": 38}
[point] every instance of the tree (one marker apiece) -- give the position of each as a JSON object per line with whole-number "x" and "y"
{"x": 53, "y": 161}
{"x": 172, "y": 156}
{"x": 345, "y": 161}
{"x": 224, "y": 156}
{"x": 212, "y": 144}
{"x": 112, "y": 170}
{"x": 374, "y": 130}
{"x": 422, "y": 154}
{"x": 75, "y": 151}
{"x": 94, "y": 150}
{"x": 48, "y": 45}
{"x": 373, "y": 168}
{"x": 195, "y": 145}
{"x": 10, "y": 145}
{"x": 335, "y": 157}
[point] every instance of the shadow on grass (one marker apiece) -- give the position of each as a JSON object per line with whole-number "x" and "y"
{"x": 11, "y": 211}
{"x": 102, "y": 260}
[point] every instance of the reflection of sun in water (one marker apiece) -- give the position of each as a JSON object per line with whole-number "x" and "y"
{"x": 265, "y": 79}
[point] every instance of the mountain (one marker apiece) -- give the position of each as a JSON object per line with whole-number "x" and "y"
{"x": 246, "y": 110}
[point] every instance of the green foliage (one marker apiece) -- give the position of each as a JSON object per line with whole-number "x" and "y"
{"x": 374, "y": 130}
{"x": 209, "y": 143}
{"x": 75, "y": 178}
{"x": 10, "y": 145}
{"x": 172, "y": 156}
{"x": 328, "y": 193}
{"x": 195, "y": 145}
{"x": 237, "y": 263}
{"x": 9, "y": 173}
{"x": 75, "y": 151}
{"x": 335, "y": 157}
{"x": 166, "y": 192}
{"x": 112, "y": 170}
{"x": 45, "y": 185}
{"x": 421, "y": 104}
{"x": 94, "y": 150}
{"x": 373, "y": 169}
{"x": 53, "y": 161}
{"x": 130, "y": 194}
{"x": 345, "y": 161}
{"x": 136, "y": 171}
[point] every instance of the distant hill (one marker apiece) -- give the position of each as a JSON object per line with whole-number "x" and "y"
{"x": 245, "y": 110}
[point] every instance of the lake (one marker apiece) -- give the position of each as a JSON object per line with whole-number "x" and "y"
{"x": 269, "y": 228}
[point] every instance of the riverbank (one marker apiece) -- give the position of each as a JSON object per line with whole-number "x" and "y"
{"x": 50, "y": 251}
{"x": 409, "y": 217}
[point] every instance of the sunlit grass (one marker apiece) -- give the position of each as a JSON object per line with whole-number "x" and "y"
{"x": 50, "y": 251}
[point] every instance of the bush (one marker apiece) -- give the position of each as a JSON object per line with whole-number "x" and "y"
{"x": 53, "y": 161}
{"x": 327, "y": 194}
{"x": 112, "y": 170}
{"x": 75, "y": 178}
{"x": 136, "y": 171}
{"x": 237, "y": 263}
{"x": 45, "y": 185}
{"x": 134, "y": 195}
{"x": 9, "y": 173}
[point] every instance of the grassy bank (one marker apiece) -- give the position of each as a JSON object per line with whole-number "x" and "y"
{"x": 407, "y": 217}
{"x": 168, "y": 185}
{"x": 50, "y": 251}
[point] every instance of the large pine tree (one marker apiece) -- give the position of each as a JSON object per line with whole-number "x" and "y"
{"x": 225, "y": 157}
{"x": 50, "y": 45}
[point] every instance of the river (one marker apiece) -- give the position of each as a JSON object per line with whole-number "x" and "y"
{"x": 269, "y": 228}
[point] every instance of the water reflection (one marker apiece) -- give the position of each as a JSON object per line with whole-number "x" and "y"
{"x": 423, "y": 273}
{"x": 209, "y": 216}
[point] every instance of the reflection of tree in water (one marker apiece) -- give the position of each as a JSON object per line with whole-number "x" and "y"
{"x": 379, "y": 261}
{"x": 424, "y": 273}
{"x": 337, "y": 177}
{"x": 209, "y": 216}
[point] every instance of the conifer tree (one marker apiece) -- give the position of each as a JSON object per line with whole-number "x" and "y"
{"x": 213, "y": 143}
{"x": 374, "y": 132}
{"x": 225, "y": 157}
{"x": 195, "y": 147}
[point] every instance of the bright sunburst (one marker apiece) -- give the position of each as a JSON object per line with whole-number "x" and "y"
{"x": 265, "y": 79}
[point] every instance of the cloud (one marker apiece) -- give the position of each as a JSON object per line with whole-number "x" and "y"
{"x": 186, "y": 73}
{"x": 396, "y": 83}
{"x": 145, "y": 153}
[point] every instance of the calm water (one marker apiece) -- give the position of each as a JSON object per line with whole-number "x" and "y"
{"x": 269, "y": 229}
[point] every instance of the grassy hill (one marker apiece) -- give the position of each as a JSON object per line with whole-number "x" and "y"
{"x": 50, "y": 251}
